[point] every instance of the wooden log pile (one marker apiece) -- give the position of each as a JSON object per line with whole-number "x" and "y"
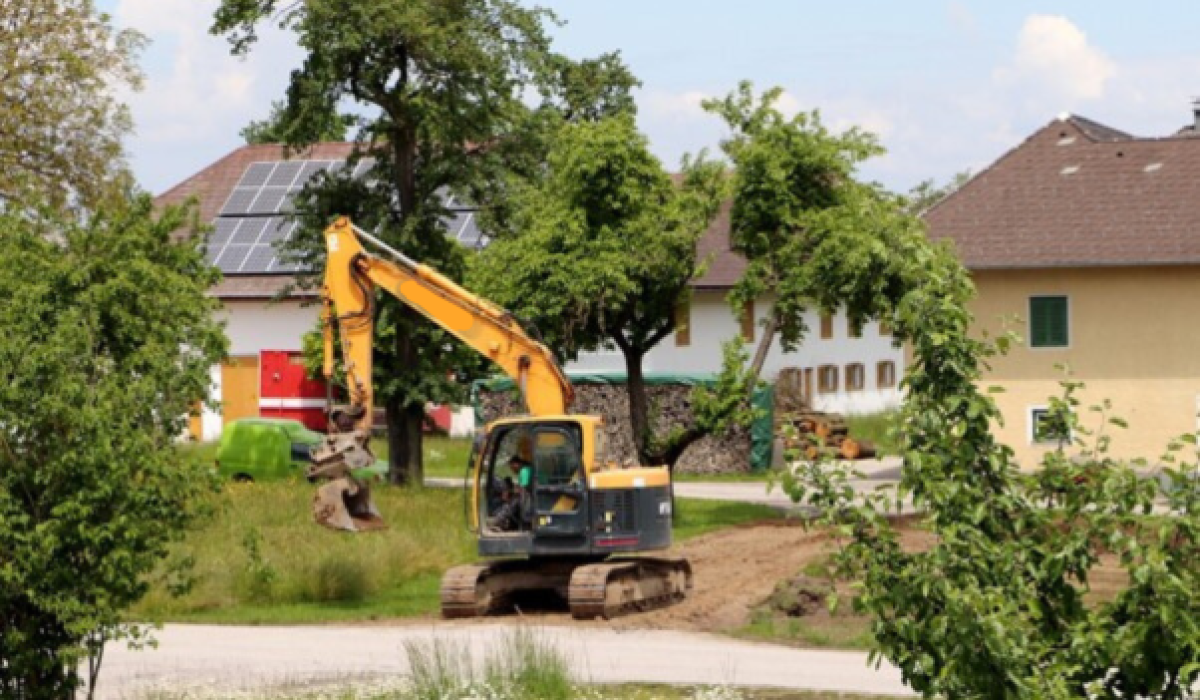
{"x": 669, "y": 408}
{"x": 815, "y": 434}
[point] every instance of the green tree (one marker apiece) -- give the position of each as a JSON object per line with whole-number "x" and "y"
{"x": 445, "y": 84}
{"x": 60, "y": 122}
{"x": 606, "y": 248}
{"x": 813, "y": 236}
{"x": 328, "y": 126}
{"x": 106, "y": 340}
{"x": 928, "y": 193}
{"x": 998, "y": 605}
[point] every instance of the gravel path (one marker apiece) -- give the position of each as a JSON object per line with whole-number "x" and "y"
{"x": 234, "y": 658}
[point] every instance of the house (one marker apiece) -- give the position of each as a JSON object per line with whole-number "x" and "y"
{"x": 1091, "y": 237}
{"x": 246, "y": 195}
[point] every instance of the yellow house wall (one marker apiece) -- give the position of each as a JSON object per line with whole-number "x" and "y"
{"x": 1134, "y": 338}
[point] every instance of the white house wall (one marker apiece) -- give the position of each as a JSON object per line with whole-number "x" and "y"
{"x": 713, "y": 322}
{"x": 258, "y": 325}
{"x": 254, "y": 326}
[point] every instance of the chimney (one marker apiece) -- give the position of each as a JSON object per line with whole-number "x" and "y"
{"x": 1196, "y": 113}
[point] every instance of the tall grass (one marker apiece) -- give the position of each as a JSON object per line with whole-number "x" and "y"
{"x": 445, "y": 457}
{"x": 260, "y": 558}
{"x": 523, "y": 665}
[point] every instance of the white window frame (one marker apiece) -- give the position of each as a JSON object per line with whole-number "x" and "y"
{"x": 1031, "y": 433}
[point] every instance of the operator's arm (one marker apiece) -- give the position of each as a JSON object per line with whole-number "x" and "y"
{"x": 350, "y": 275}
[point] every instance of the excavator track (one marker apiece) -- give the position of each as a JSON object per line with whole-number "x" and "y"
{"x": 614, "y": 588}
{"x": 462, "y": 594}
{"x": 605, "y": 589}
{"x": 476, "y": 590}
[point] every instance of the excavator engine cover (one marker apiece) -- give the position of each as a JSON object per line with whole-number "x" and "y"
{"x": 345, "y": 504}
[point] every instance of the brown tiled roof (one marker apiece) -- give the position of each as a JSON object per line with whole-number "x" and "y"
{"x": 725, "y": 267}
{"x": 213, "y": 185}
{"x": 256, "y": 287}
{"x": 1078, "y": 194}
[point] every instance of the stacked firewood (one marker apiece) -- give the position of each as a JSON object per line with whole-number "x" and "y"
{"x": 815, "y": 434}
{"x": 670, "y": 409}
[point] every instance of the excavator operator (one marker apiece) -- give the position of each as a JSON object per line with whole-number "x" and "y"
{"x": 513, "y": 513}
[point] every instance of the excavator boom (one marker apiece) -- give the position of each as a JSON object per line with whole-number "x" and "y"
{"x": 351, "y": 276}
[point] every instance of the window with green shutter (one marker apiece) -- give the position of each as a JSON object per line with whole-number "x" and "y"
{"x": 1048, "y": 322}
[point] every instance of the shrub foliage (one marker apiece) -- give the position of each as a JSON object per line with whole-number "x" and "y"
{"x": 106, "y": 340}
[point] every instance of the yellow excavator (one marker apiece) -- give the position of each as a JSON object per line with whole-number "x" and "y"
{"x": 552, "y": 511}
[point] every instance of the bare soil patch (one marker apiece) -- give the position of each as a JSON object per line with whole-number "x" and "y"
{"x": 735, "y": 570}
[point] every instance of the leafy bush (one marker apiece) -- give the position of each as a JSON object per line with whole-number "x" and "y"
{"x": 106, "y": 339}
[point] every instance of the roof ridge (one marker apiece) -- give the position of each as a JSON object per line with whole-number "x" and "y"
{"x": 992, "y": 166}
{"x": 1096, "y": 131}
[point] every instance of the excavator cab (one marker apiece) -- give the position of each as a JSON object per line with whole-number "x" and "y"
{"x": 550, "y": 503}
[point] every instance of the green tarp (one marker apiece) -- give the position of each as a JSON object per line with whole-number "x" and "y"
{"x": 762, "y": 431}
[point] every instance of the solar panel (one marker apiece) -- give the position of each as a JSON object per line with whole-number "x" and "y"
{"x": 285, "y": 173}
{"x": 222, "y": 231}
{"x": 277, "y": 230}
{"x": 253, "y": 222}
{"x": 259, "y": 259}
{"x": 239, "y": 201}
{"x": 268, "y": 201}
{"x": 310, "y": 169}
{"x": 256, "y": 175}
{"x": 232, "y": 257}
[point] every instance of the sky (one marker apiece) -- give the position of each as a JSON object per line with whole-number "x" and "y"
{"x": 947, "y": 85}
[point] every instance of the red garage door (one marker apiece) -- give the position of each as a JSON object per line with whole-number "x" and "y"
{"x": 287, "y": 392}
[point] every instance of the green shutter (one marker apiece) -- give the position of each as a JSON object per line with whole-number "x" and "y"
{"x": 1048, "y": 322}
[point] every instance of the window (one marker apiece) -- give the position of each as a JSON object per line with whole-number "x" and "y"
{"x": 827, "y": 379}
{"x": 683, "y": 323}
{"x": 1043, "y": 430}
{"x": 855, "y": 377}
{"x": 1048, "y": 322}
{"x": 853, "y": 329}
{"x": 826, "y": 326}
{"x": 748, "y": 322}
{"x": 885, "y": 375}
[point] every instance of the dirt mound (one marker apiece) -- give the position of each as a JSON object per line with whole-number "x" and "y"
{"x": 799, "y": 597}
{"x": 735, "y": 570}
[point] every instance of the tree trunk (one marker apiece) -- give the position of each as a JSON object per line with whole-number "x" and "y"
{"x": 405, "y": 419}
{"x": 764, "y": 348}
{"x": 406, "y": 464}
{"x": 635, "y": 389}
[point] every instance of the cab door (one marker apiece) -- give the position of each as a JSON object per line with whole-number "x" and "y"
{"x": 559, "y": 483}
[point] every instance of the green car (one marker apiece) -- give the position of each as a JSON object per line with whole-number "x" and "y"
{"x": 261, "y": 449}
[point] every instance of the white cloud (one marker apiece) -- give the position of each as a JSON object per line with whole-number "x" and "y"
{"x": 1054, "y": 59}
{"x": 670, "y": 106}
{"x": 961, "y": 17}
{"x": 197, "y": 96}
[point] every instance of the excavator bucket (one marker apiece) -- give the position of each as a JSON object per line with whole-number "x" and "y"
{"x": 345, "y": 504}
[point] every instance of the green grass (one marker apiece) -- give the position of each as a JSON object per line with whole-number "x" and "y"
{"x": 875, "y": 427}
{"x": 822, "y": 631}
{"x": 695, "y": 517}
{"x": 444, "y": 457}
{"x": 260, "y": 560}
{"x": 739, "y": 478}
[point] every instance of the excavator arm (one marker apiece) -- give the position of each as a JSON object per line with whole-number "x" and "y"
{"x": 351, "y": 276}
